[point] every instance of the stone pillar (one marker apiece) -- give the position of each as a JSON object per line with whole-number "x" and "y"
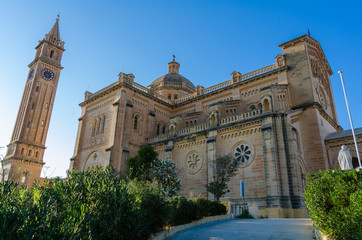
{"x": 74, "y": 161}
{"x": 272, "y": 178}
{"x": 151, "y": 123}
{"x": 210, "y": 158}
{"x": 112, "y": 132}
{"x": 168, "y": 150}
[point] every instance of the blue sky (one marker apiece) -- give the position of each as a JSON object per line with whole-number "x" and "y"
{"x": 210, "y": 39}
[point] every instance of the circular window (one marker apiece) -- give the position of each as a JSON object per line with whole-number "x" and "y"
{"x": 193, "y": 162}
{"x": 244, "y": 153}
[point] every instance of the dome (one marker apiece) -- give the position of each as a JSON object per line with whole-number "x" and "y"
{"x": 173, "y": 80}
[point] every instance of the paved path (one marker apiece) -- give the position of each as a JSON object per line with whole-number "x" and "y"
{"x": 259, "y": 229}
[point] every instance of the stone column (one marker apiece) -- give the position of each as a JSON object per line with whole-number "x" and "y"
{"x": 210, "y": 158}
{"x": 112, "y": 132}
{"x": 272, "y": 178}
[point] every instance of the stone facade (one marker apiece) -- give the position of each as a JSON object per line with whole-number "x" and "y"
{"x": 274, "y": 120}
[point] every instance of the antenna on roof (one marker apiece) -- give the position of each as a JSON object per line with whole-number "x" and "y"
{"x": 308, "y": 33}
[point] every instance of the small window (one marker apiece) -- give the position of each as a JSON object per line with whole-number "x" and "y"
{"x": 29, "y": 153}
{"x": 42, "y": 123}
{"x": 158, "y": 128}
{"x": 99, "y": 124}
{"x": 163, "y": 129}
{"x": 135, "y": 125}
{"x": 22, "y": 151}
{"x": 94, "y": 126}
{"x": 33, "y": 106}
{"x": 169, "y": 96}
{"x": 37, "y": 89}
{"x": 104, "y": 123}
{"x": 175, "y": 96}
{"x": 37, "y": 154}
{"x": 29, "y": 124}
{"x": 46, "y": 106}
{"x": 51, "y": 53}
{"x": 24, "y": 177}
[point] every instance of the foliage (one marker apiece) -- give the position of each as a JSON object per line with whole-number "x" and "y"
{"x": 146, "y": 167}
{"x": 334, "y": 202}
{"x": 87, "y": 205}
{"x": 166, "y": 174}
{"x": 150, "y": 201}
{"x": 139, "y": 165}
{"x": 183, "y": 211}
{"x": 224, "y": 169}
{"x": 245, "y": 214}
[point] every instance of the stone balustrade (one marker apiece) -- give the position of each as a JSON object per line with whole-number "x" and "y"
{"x": 204, "y": 126}
{"x": 239, "y": 117}
{"x": 158, "y": 138}
{"x": 192, "y": 129}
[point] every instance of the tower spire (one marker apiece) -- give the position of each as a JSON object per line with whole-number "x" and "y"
{"x": 54, "y": 35}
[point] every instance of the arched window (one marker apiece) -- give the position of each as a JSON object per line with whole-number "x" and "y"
{"x": 22, "y": 151}
{"x": 266, "y": 105}
{"x": 104, "y": 122}
{"x": 158, "y": 128}
{"x": 29, "y": 153}
{"x": 213, "y": 120}
{"x": 172, "y": 130}
{"x": 37, "y": 89}
{"x": 163, "y": 129}
{"x": 51, "y": 53}
{"x": 94, "y": 126}
{"x": 175, "y": 96}
{"x": 24, "y": 177}
{"x": 37, "y": 154}
{"x": 135, "y": 125}
{"x": 99, "y": 124}
{"x": 296, "y": 138}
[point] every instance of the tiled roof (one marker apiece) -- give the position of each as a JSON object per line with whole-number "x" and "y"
{"x": 342, "y": 134}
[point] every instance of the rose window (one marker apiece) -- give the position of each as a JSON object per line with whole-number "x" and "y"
{"x": 243, "y": 153}
{"x": 193, "y": 162}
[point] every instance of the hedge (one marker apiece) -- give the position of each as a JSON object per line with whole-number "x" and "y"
{"x": 94, "y": 205}
{"x": 333, "y": 198}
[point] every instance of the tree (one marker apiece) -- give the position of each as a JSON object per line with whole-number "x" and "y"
{"x": 145, "y": 166}
{"x": 166, "y": 174}
{"x": 139, "y": 165}
{"x": 224, "y": 169}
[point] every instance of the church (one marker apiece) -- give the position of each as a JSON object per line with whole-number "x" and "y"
{"x": 274, "y": 120}
{"x": 278, "y": 121}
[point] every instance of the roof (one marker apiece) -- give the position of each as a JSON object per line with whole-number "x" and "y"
{"x": 343, "y": 134}
{"x": 54, "y": 32}
{"x": 173, "y": 78}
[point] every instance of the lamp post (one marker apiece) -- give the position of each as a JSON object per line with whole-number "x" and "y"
{"x": 350, "y": 119}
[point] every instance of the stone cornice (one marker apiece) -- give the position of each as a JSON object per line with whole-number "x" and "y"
{"x": 115, "y": 86}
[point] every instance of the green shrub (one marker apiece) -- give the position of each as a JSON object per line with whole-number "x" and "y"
{"x": 182, "y": 211}
{"x": 216, "y": 208}
{"x": 202, "y": 206}
{"x": 87, "y": 205}
{"x": 149, "y": 199}
{"x": 334, "y": 201}
{"x": 245, "y": 214}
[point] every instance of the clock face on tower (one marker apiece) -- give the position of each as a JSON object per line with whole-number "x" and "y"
{"x": 47, "y": 74}
{"x": 31, "y": 74}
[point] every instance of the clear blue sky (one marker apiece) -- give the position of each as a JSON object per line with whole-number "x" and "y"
{"x": 211, "y": 39}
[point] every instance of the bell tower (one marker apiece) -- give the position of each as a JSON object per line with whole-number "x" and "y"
{"x": 24, "y": 157}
